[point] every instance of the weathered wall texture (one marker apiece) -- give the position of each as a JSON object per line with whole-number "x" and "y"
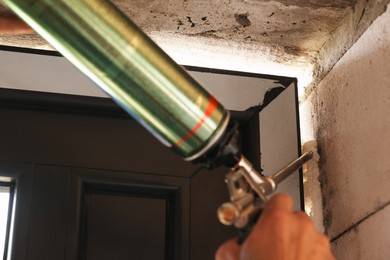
{"x": 351, "y": 120}
{"x": 296, "y": 38}
{"x": 302, "y": 39}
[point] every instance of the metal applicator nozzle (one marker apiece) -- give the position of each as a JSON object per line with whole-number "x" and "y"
{"x": 249, "y": 189}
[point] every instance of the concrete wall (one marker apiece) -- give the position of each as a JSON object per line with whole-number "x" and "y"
{"x": 351, "y": 122}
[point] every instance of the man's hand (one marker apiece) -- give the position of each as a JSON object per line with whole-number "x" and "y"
{"x": 10, "y": 24}
{"x": 279, "y": 233}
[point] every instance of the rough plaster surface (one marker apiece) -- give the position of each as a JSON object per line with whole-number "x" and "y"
{"x": 295, "y": 38}
{"x": 352, "y": 126}
{"x": 292, "y": 27}
{"x": 343, "y": 37}
{"x": 370, "y": 240}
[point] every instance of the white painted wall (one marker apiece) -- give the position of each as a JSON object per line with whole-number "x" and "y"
{"x": 351, "y": 121}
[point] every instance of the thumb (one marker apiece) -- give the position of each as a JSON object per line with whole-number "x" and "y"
{"x": 11, "y": 25}
{"x": 230, "y": 250}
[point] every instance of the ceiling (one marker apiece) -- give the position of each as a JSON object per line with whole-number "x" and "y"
{"x": 295, "y": 37}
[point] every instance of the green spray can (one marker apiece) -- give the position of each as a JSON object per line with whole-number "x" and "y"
{"x": 111, "y": 50}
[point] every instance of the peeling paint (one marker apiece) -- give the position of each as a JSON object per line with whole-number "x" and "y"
{"x": 190, "y": 21}
{"x": 242, "y": 19}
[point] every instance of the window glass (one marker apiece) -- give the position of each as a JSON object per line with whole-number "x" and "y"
{"x": 4, "y": 207}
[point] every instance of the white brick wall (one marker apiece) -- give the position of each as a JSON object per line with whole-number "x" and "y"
{"x": 369, "y": 240}
{"x": 351, "y": 111}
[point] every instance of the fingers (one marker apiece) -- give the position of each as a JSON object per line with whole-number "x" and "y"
{"x": 321, "y": 248}
{"x": 304, "y": 220}
{"x": 303, "y": 234}
{"x": 279, "y": 202}
{"x": 280, "y": 233}
{"x": 228, "y": 251}
{"x": 11, "y": 25}
{"x": 310, "y": 243}
{"x": 276, "y": 214}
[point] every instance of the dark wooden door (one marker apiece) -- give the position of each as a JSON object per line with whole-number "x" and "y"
{"x": 92, "y": 184}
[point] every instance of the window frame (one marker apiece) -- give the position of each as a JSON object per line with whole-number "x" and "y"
{"x": 11, "y": 191}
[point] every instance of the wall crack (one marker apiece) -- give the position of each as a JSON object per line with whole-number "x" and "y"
{"x": 355, "y": 225}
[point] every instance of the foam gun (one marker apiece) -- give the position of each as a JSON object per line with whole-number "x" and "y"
{"x": 111, "y": 50}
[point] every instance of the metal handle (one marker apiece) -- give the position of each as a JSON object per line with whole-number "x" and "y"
{"x": 249, "y": 190}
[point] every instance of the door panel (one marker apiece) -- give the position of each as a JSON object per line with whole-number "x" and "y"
{"x": 119, "y": 227}
{"x": 98, "y": 186}
{"x": 207, "y": 193}
{"x": 84, "y": 140}
{"x": 47, "y": 225}
{"x": 139, "y": 199}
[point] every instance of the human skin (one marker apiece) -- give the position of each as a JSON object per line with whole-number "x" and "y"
{"x": 279, "y": 234}
{"x": 10, "y": 24}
